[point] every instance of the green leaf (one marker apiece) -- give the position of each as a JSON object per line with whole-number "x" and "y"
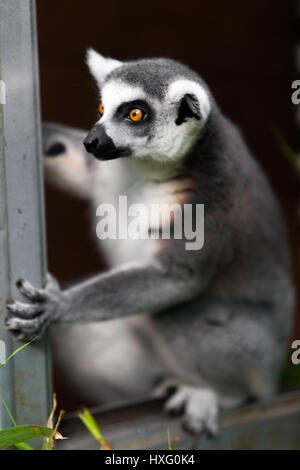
{"x": 20, "y": 434}
{"x": 44, "y": 444}
{"x": 21, "y": 445}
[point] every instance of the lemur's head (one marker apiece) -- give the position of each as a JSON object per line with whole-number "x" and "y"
{"x": 149, "y": 108}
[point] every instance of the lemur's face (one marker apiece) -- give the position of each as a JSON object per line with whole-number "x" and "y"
{"x": 152, "y": 108}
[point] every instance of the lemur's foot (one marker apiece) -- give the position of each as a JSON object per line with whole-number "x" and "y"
{"x": 29, "y": 320}
{"x": 199, "y": 407}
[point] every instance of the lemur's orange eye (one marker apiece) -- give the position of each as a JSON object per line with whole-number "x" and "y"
{"x": 101, "y": 109}
{"x": 136, "y": 115}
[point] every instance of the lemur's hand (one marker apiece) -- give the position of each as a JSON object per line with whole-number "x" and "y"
{"x": 29, "y": 320}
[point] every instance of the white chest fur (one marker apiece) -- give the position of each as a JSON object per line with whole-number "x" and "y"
{"x": 142, "y": 186}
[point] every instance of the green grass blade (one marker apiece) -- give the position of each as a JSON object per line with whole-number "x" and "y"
{"x": 169, "y": 440}
{"x": 290, "y": 377}
{"x": 15, "y": 352}
{"x": 287, "y": 151}
{"x": 9, "y": 413}
{"x": 90, "y": 423}
{"x": 20, "y": 434}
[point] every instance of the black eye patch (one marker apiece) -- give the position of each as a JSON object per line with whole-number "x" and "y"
{"x": 125, "y": 108}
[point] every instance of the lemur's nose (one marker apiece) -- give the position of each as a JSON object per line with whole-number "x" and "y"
{"x": 92, "y": 140}
{"x": 90, "y": 144}
{"x": 98, "y": 143}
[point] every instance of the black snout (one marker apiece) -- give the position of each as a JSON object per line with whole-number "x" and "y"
{"x": 97, "y": 142}
{"x": 101, "y": 145}
{"x": 90, "y": 143}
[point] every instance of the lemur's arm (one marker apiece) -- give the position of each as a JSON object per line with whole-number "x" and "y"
{"x": 125, "y": 291}
{"x": 129, "y": 290}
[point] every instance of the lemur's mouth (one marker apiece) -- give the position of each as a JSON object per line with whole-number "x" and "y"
{"x": 112, "y": 156}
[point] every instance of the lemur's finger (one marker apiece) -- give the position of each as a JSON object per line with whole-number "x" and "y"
{"x": 19, "y": 324}
{"x": 23, "y": 310}
{"x": 30, "y": 292}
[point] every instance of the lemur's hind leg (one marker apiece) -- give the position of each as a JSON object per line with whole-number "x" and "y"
{"x": 233, "y": 352}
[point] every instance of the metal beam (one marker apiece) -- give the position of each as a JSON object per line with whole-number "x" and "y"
{"x": 24, "y": 381}
{"x": 274, "y": 424}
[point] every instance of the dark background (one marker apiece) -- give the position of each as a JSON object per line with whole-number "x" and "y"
{"x": 244, "y": 50}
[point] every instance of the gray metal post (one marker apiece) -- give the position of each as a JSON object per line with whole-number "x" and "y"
{"x": 24, "y": 381}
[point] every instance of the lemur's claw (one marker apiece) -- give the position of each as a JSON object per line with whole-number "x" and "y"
{"x": 200, "y": 410}
{"x": 29, "y": 320}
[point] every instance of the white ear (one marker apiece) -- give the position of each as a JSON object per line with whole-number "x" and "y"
{"x": 196, "y": 95}
{"x": 100, "y": 66}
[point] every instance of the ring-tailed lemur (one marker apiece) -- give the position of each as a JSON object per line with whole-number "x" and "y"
{"x": 216, "y": 320}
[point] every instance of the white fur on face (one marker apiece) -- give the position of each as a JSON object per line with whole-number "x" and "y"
{"x": 115, "y": 93}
